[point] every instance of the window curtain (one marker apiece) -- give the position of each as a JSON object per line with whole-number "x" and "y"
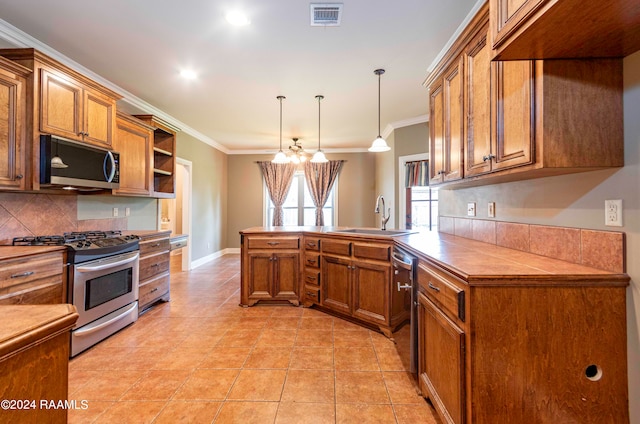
{"x": 320, "y": 178}
{"x": 278, "y": 177}
{"x": 417, "y": 174}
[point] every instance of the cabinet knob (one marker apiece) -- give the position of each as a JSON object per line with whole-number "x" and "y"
{"x": 19, "y": 177}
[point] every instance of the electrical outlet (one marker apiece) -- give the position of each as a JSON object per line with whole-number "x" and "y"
{"x": 613, "y": 213}
{"x": 115, "y": 212}
{"x": 127, "y": 211}
{"x": 491, "y": 210}
{"x": 471, "y": 209}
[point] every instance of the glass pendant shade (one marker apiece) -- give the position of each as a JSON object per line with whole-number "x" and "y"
{"x": 379, "y": 145}
{"x": 280, "y": 156}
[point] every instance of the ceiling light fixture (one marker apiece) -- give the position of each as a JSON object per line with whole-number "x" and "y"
{"x": 188, "y": 74}
{"x": 280, "y": 156}
{"x": 379, "y": 144}
{"x": 296, "y": 152}
{"x": 237, "y": 18}
{"x": 319, "y": 157}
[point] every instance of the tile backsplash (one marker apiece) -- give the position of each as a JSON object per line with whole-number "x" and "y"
{"x": 27, "y": 214}
{"x": 599, "y": 249}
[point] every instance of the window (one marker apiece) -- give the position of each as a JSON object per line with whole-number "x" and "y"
{"x": 423, "y": 204}
{"x": 298, "y": 207}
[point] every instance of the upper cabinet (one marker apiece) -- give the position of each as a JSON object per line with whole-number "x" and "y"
{"x": 554, "y": 29}
{"x": 524, "y": 118}
{"x": 134, "y": 142}
{"x": 164, "y": 157}
{"x": 13, "y": 90}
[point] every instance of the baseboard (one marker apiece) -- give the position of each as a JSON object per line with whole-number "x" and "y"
{"x": 206, "y": 259}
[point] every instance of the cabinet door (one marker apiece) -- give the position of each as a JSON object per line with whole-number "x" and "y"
{"x": 508, "y": 15}
{"x": 453, "y": 123}
{"x": 99, "y": 118}
{"x": 60, "y": 106}
{"x": 478, "y": 110}
{"x": 12, "y": 138}
{"x": 441, "y": 361}
{"x": 287, "y": 275}
{"x": 336, "y": 284}
{"x": 260, "y": 276}
{"x": 512, "y": 103}
{"x": 436, "y": 130}
{"x": 371, "y": 284}
{"x": 135, "y": 145}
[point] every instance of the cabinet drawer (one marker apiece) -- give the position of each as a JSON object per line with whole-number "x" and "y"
{"x": 312, "y": 294}
{"x": 154, "y": 245}
{"x": 372, "y": 251}
{"x": 311, "y": 243}
{"x": 24, "y": 271}
{"x": 38, "y": 292}
{"x": 153, "y": 289}
{"x": 274, "y": 242}
{"x": 338, "y": 247}
{"x": 312, "y": 260}
{"x": 154, "y": 264}
{"x": 312, "y": 277}
{"x": 436, "y": 285}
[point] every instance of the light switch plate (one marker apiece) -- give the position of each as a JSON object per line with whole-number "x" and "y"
{"x": 115, "y": 212}
{"x": 491, "y": 210}
{"x": 471, "y": 209}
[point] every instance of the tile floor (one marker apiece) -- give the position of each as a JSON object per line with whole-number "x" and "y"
{"x": 201, "y": 359}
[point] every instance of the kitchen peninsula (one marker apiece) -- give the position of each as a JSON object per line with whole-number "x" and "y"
{"x": 534, "y": 338}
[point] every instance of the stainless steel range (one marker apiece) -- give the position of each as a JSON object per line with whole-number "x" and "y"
{"x": 103, "y": 269}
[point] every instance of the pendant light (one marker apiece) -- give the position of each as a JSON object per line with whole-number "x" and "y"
{"x": 379, "y": 144}
{"x": 319, "y": 156}
{"x": 280, "y": 156}
{"x": 296, "y": 152}
{"x": 56, "y": 161}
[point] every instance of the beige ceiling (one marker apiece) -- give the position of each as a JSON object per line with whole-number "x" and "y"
{"x": 141, "y": 45}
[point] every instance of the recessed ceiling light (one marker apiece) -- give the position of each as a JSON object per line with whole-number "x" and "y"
{"x": 237, "y": 18}
{"x": 188, "y": 74}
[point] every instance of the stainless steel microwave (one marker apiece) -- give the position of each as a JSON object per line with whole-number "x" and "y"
{"x": 72, "y": 165}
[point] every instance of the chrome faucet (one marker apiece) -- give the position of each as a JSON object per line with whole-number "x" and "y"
{"x": 377, "y": 210}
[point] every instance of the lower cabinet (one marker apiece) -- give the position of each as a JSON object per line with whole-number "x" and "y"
{"x": 270, "y": 269}
{"x": 155, "y": 258}
{"x": 441, "y": 365}
{"x": 33, "y": 278}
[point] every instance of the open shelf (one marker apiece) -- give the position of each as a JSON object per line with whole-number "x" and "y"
{"x": 162, "y": 152}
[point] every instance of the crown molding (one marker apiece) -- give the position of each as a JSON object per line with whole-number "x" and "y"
{"x": 19, "y": 38}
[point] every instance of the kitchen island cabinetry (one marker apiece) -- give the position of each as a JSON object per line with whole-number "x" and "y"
{"x": 154, "y": 273}
{"x": 134, "y": 142}
{"x": 34, "y": 362}
{"x": 525, "y": 119}
{"x": 32, "y": 275}
{"x": 13, "y": 143}
{"x": 270, "y": 269}
{"x": 507, "y": 336}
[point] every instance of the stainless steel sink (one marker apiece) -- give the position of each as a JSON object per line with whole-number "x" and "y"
{"x": 373, "y": 232}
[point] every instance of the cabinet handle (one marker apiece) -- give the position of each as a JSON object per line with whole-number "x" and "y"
{"x": 273, "y": 243}
{"x": 310, "y": 278}
{"x": 310, "y": 244}
{"x": 19, "y": 177}
{"x": 154, "y": 290}
{"x": 404, "y": 287}
{"x": 311, "y": 261}
{"x": 432, "y": 287}
{"x": 492, "y": 157}
{"x": 154, "y": 265}
{"x": 22, "y": 274}
{"x": 155, "y": 245}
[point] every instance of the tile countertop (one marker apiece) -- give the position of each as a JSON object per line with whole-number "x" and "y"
{"x": 481, "y": 263}
{"x": 475, "y": 262}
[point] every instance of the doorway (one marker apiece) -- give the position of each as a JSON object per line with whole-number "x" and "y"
{"x": 175, "y": 214}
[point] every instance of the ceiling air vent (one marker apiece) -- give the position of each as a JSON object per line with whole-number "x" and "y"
{"x": 326, "y": 14}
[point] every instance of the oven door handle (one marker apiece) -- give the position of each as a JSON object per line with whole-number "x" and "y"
{"x": 87, "y": 331}
{"x": 107, "y": 264}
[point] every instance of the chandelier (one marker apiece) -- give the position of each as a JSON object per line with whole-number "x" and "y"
{"x": 296, "y": 153}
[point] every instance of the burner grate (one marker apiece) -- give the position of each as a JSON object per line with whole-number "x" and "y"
{"x": 39, "y": 241}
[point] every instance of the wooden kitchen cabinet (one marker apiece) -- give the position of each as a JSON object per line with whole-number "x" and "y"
{"x": 164, "y": 156}
{"x": 526, "y": 119}
{"x": 271, "y": 269}
{"x": 312, "y": 280}
{"x": 13, "y": 143}
{"x": 134, "y": 142}
{"x": 155, "y": 280}
{"x": 551, "y": 29}
{"x": 32, "y": 275}
{"x": 446, "y": 129}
